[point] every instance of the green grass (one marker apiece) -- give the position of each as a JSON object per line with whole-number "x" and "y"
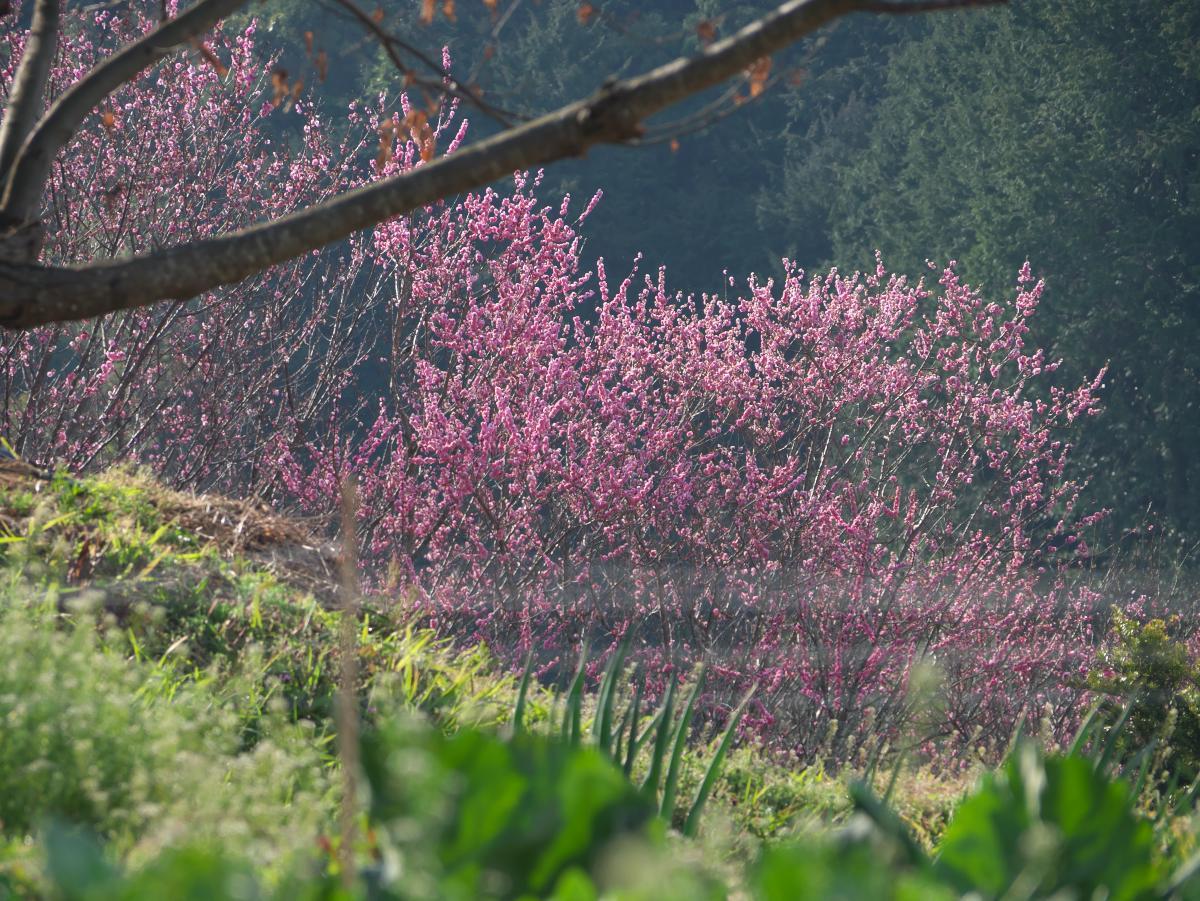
{"x": 180, "y": 600}
{"x": 158, "y": 683}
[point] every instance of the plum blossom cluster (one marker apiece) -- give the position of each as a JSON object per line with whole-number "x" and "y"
{"x": 817, "y": 482}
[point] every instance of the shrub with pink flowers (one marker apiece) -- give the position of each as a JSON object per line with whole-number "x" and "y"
{"x": 815, "y": 482}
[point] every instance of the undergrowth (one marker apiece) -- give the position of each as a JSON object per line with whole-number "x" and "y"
{"x": 168, "y": 671}
{"x": 161, "y": 675}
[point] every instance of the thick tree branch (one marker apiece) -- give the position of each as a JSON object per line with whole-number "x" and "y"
{"x": 27, "y": 178}
{"x": 28, "y": 95}
{"x": 32, "y": 295}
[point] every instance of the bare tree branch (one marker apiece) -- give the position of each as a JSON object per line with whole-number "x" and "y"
{"x": 28, "y": 96}
{"x": 27, "y": 178}
{"x": 33, "y": 295}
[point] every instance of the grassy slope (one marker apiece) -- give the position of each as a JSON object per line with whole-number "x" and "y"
{"x": 197, "y": 697}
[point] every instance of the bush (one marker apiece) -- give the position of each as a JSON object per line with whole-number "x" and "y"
{"x": 1049, "y": 825}
{"x": 494, "y": 817}
{"x": 1157, "y": 677}
{"x": 143, "y": 759}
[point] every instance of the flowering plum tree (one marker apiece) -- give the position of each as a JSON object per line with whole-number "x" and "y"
{"x": 817, "y": 484}
{"x": 35, "y": 291}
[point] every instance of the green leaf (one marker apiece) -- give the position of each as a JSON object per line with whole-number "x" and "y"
{"x": 572, "y": 729}
{"x": 605, "y": 701}
{"x": 692, "y": 824}
{"x": 665, "y": 716}
{"x": 1056, "y": 824}
{"x": 667, "y": 807}
{"x": 634, "y": 714}
{"x": 518, "y": 720}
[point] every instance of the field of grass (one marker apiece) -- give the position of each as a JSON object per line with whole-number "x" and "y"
{"x": 169, "y": 689}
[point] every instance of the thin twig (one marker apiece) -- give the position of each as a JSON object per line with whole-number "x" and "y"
{"x": 347, "y": 694}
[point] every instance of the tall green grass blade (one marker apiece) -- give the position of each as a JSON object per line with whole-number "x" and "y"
{"x": 1183, "y": 807}
{"x": 651, "y": 729}
{"x": 1085, "y": 729}
{"x": 518, "y": 722}
{"x": 1110, "y": 744}
{"x": 893, "y": 779}
{"x": 1015, "y": 738}
{"x": 619, "y": 750}
{"x": 1147, "y": 758}
{"x": 671, "y": 787}
{"x": 1183, "y": 876}
{"x": 888, "y": 821}
{"x": 602, "y": 726}
{"x": 635, "y": 713}
{"x": 692, "y": 823}
{"x": 573, "y": 713}
{"x": 665, "y": 716}
{"x": 1189, "y": 799}
{"x": 873, "y": 761}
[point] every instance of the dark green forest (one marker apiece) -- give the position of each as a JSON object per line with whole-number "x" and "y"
{"x": 1065, "y": 134}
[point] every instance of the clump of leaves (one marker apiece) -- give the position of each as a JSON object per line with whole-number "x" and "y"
{"x": 526, "y": 815}
{"x": 80, "y": 870}
{"x": 1151, "y": 686}
{"x": 1045, "y": 825}
{"x": 1041, "y": 826}
{"x": 621, "y": 734}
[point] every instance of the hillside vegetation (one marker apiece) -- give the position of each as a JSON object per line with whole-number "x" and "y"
{"x": 170, "y": 668}
{"x": 168, "y": 673}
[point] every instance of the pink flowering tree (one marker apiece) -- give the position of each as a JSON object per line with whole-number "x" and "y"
{"x": 202, "y": 389}
{"x": 816, "y": 483}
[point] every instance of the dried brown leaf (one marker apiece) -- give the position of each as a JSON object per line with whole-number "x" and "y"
{"x": 422, "y": 135}
{"x": 279, "y": 83}
{"x": 758, "y": 73}
{"x": 111, "y": 196}
{"x": 211, "y": 58}
{"x": 387, "y": 140}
